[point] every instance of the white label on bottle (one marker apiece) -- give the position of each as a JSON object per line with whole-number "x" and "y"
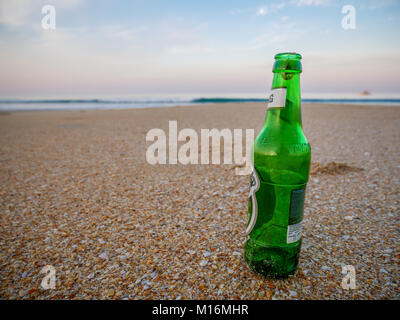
{"x": 277, "y": 98}
{"x": 293, "y": 232}
{"x": 254, "y": 186}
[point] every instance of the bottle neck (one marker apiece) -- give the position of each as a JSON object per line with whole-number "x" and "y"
{"x": 291, "y": 113}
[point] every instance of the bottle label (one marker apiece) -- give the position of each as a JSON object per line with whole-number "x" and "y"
{"x": 275, "y": 212}
{"x": 293, "y": 232}
{"x": 254, "y": 186}
{"x": 277, "y": 98}
{"x": 295, "y": 215}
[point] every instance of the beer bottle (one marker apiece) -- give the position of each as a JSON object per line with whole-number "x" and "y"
{"x": 280, "y": 170}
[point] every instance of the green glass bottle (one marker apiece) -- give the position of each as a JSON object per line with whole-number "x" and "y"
{"x": 278, "y": 180}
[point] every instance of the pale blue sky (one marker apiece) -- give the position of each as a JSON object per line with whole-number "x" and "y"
{"x": 131, "y": 47}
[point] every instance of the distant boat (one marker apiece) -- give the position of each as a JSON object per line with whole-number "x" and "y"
{"x": 364, "y": 93}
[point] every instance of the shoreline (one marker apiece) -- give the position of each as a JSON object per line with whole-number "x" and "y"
{"x": 347, "y": 105}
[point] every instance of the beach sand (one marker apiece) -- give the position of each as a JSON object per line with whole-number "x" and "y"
{"x": 77, "y": 194}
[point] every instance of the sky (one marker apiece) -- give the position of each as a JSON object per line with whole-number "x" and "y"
{"x": 101, "y": 47}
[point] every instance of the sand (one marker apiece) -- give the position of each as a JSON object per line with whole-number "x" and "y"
{"x": 77, "y": 193}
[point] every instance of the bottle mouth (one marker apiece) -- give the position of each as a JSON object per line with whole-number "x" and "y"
{"x": 287, "y": 62}
{"x": 288, "y": 55}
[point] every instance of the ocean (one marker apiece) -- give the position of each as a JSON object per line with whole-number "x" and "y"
{"x": 149, "y": 101}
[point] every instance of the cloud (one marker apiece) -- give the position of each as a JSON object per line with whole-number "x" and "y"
{"x": 184, "y": 37}
{"x": 122, "y": 32}
{"x": 377, "y": 4}
{"x": 264, "y": 10}
{"x": 272, "y": 8}
{"x": 186, "y": 50}
{"x": 180, "y": 31}
{"x": 277, "y": 36}
{"x": 235, "y": 11}
{"x": 307, "y": 3}
{"x": 16, "y": 13}
{"x": 66, "y": 4}
{"x": 267, "y": 39}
